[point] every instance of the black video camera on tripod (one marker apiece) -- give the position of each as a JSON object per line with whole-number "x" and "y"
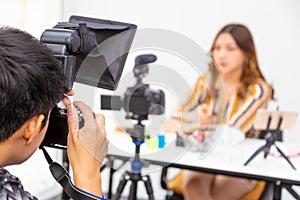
{"x": 139, "y": 101}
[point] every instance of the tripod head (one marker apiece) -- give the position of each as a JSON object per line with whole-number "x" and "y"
{"x": 137, "y": 133}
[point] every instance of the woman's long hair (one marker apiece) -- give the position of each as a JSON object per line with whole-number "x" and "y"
{"x": 244, "y": 41}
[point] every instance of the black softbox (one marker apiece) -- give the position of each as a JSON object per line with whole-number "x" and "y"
{"x": 93, "y": 51}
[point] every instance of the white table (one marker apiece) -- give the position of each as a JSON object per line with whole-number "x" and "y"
{"x": 221, "y": 159}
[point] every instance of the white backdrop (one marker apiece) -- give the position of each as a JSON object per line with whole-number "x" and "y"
{"x": 274, "y": 24}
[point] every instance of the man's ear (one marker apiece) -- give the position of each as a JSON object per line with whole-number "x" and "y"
{"x": 33, "y": 127}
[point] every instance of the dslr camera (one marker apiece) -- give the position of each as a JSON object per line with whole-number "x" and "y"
{"x": 139, "y": 100}
{"x": 92, "y": 52}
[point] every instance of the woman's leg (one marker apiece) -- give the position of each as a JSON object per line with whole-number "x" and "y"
{"x": 231, "y": 188}
{"x": 197, "y": 185}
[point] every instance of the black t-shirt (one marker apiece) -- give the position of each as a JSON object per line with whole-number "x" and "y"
{"x": 11, "y": 187}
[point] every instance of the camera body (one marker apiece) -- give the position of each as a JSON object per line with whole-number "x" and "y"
{"x": 92, "y": 52}
{"x": 139, "y": 100}
{"x": 57, "y": 131}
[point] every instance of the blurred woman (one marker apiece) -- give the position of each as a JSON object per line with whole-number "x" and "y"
{"x": 230, "y": 93}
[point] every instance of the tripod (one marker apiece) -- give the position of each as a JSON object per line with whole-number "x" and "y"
{"x": 271, "y": 138}
{"x": 135, "y": 174}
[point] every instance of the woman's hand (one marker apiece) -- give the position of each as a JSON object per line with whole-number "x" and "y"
{"x": 87, "y": 147}
{"x": 205, "y": 116}
{"x": 172, "y": 125}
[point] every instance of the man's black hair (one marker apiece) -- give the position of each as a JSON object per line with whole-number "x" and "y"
{"x": 31, "y": 80}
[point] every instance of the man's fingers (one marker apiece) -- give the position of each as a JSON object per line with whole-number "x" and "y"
{"x": 85, "y": 110}
{"x": 100, "y": 119}
{"x": 70, "y": 93}
{"x": 70, "y": 115}
{"x": 71, "y": 119}
{"x": 66, "y": 101}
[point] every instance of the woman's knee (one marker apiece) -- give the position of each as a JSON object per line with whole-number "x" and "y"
{"x": 226, "y": 187}
{"x": 195, "y": 178}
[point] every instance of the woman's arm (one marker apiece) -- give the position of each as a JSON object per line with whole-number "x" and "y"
{"x": 188, "y": 112}
{"x": 258, "y": 96}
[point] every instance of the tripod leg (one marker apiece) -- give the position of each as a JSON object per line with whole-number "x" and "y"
{"x": 111, "y": 173}
{"x": 147, "y": 181}
{"x": 133, "y": 190}
{"x": 266, "y": 151}
{"x": 291, "y": 191}
{"x": 125, "y": 177}
{"x": 277, "y": 191}
{"x": 285, "y": 157}
{"x": 255, "y": 154}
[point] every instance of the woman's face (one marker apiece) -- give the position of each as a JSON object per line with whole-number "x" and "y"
{"x": 227, "y": 56}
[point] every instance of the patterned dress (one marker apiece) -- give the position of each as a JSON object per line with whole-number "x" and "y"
{"x": 238, "y": 112}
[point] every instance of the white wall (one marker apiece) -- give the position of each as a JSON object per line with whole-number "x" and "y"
{"x": 34, "y": 16}
{"x": 273, "y": 23}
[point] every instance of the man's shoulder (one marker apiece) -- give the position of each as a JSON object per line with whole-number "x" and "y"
{"x": 6, "y": 178}
{"x": 11, "y": 187}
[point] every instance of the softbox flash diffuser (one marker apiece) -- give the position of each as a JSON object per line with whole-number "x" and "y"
{"x": 103, "y": 65}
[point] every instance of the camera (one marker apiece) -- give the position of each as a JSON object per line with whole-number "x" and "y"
{"x": 139, "y": 100}
{"x": 92, "y": 52}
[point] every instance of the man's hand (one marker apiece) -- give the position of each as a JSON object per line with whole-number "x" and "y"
{"x": 87, "y": 147}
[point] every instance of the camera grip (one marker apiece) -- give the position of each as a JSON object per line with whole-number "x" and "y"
{"x": 81, "y": 119}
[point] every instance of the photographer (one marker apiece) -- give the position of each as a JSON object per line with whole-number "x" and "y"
{"x": 31, "y": 83}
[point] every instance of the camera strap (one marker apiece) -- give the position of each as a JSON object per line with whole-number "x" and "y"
{"x": 83, "y": 31}
{"x": 63, "y": 178}
{"x": 87, "y": 42}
